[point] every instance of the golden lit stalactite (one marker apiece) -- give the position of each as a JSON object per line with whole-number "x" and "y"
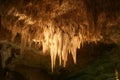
{"x": 75, "y": 44}
{"x": 65, "y": 48}
{"x": 60, "y": 41}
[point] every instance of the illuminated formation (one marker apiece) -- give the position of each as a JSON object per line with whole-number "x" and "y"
{"x": 61, "y": 44}
{"x": 60, "y": 26}
{"x": 59, "y": 41}
{"x": 55, "y": 39}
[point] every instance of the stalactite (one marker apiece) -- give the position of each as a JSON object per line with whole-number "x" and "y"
{"x": 61, "y": 44}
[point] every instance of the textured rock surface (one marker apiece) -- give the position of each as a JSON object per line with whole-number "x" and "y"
{"x": 24, "y": 22}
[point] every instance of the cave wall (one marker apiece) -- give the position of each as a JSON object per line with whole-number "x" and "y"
{"x": 99, "y": 17}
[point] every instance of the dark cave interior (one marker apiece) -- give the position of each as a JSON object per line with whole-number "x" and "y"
{"x": 26, "y": 26}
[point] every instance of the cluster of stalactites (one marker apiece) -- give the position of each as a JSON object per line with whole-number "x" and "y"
{"x": 61, "y": 44}
{"x": 60, "y": 41}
